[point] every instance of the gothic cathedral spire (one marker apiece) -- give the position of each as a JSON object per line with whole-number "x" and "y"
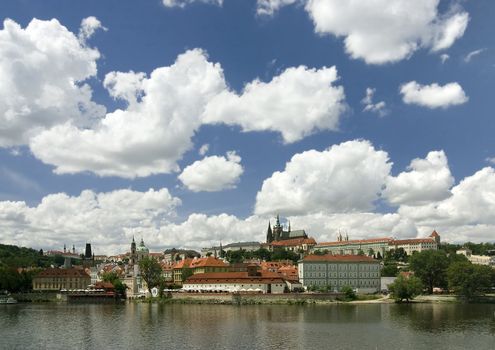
{"x": 269, "y": 234}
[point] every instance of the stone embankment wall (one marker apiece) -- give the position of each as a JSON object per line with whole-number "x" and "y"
{"x": 38, "y": 297}
{"x": 241, "y": 298}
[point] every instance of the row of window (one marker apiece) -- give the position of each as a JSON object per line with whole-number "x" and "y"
{"x": 342, "y": 274}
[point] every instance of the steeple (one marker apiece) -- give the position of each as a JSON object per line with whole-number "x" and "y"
{"x": 289, "y": 225}
{"x": 269, "y": 234}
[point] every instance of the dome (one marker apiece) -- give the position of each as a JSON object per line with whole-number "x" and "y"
{"x": 142, "y": 248}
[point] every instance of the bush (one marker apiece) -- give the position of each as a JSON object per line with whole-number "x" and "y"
{"x": 405, "y": 288}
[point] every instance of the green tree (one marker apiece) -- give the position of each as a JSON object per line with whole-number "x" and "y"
{"x": 151, "y": 271}
{"x": 431, "y": 267}
{"x": 186, "y": 273}
{"x": 405, "y": 288}
{"x": 469, "y": 280}
{"x": 109, "y": 277}
{"x": 348, "y": 292}
{"x": 389, "y": 270}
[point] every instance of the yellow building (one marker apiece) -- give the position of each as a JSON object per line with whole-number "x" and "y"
{"x": 53, "y": 279}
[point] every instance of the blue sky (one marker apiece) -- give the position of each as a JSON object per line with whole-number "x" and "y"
{"x": 235, "y": 194}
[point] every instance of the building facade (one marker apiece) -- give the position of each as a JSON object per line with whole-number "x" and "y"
{"x": 362, "y": 273}
{"x": 477, "y": 259}
{"x": 232, "y": 282}
{"x": 54, "y": 279}
{"x": 373, "y": 246}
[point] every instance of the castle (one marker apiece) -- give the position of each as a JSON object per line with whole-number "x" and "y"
{"x": 279, "y": 234}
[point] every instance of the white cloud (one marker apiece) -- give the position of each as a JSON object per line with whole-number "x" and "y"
{"x": 466, "y": 215}
{"x": 204, "y": 149}
{"x": 89, "y": 26}
{"x": 428, "y": 180}
{"x": 444, "y": 57}
{"x": 434, "y": 95}
{"x": 448, "y": 29}
{"x": 472, "y": 54}
{"x": 150, "y": 135}
{"x": 378, "y": 108}
{"x": 43, "y": 68}
{"x": 296, "y": 103}
{"x": 269, "y": 7}
{"x": 213, "y": 173}
{"x": 383, "y": 31}
{"x": 184, "y": 3}
{"x": 344, "y": 178}
{"x": 107, "y": 220}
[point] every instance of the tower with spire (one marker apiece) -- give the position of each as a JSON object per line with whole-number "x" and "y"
{"x": 269, "y": 234}
{"x": 133, "y": 257}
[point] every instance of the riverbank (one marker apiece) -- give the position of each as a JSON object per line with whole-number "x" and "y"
{"x": 305, "y": 299}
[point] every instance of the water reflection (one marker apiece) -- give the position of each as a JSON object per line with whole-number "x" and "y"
{"x": 418, "y": 326}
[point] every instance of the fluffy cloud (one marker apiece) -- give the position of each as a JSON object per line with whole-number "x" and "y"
{"x": 106, "y": 219}
{"x": 434, "y": 95}
{"x": 43, "y": 68}
{"x": 466, "y": 214}
{"x": 89, "y": 26}
{"x": 213, "y": 173}
{"x": 296, "y": 103}
{"x": 344, "y": 178}
{"x": 184, "y": 3}
{"x": 384, "y": 31}
{"x": 269, "y": 7}
{"x": 428, "y": 180}
{"x": 369, "y": 106}
{"x": 150, "y": 135}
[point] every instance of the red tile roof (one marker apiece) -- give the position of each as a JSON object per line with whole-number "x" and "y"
{"x": 339, "y": 258}
{"x": 207, "y": 262}
{"x": 183, "y": 263}
{"x": 53, "y": 272}
{"x": 293, "y": 242}
{"x": 434, "y": 234}
{"x": 411, "y": 241}
{"x": 357, "y": 241}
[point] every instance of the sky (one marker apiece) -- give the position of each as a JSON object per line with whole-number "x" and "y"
{"x": 193, "y": 122}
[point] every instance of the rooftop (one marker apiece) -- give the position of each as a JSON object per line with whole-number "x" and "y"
{"x": 339, "y": 258}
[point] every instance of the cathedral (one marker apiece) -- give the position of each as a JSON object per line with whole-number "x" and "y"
{"x": 279, "y": 234}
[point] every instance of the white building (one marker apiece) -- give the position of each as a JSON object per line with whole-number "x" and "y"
{"x": 477, "y": 259}
{"x": 362, "y": 273}
{"x": 373, "y": 246}
{"x": 250, "y": 281}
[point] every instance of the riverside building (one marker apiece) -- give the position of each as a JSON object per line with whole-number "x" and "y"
{"x": 362, "y": 273}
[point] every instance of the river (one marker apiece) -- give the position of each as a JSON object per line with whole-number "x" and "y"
{"x": 152, "y": 326}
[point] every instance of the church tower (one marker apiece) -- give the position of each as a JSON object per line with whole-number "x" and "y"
{"x": 133, "y": 257}
{"x": 269, "y": 234}
{"x": 277, "y": 230}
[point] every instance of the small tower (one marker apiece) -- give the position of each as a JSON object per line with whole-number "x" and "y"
{"x": 277, "y": 230}
{"x": 132, "y": 259}
{"x": 65, "y": 248}
{"x": 269, "y": 234}
{"x": 73, "y": 249}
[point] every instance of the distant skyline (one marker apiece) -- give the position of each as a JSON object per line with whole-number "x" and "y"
{"x": 190, "y": 122}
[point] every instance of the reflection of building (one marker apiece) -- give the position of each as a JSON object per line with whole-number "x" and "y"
{"x": 336, "y": 271}
{"x": 53, "y": 279}
{"x": 477, "y": 259}
{"x": 374, "y": 246}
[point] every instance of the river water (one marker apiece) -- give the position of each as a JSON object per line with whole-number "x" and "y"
{"x": 151, "y": 326}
